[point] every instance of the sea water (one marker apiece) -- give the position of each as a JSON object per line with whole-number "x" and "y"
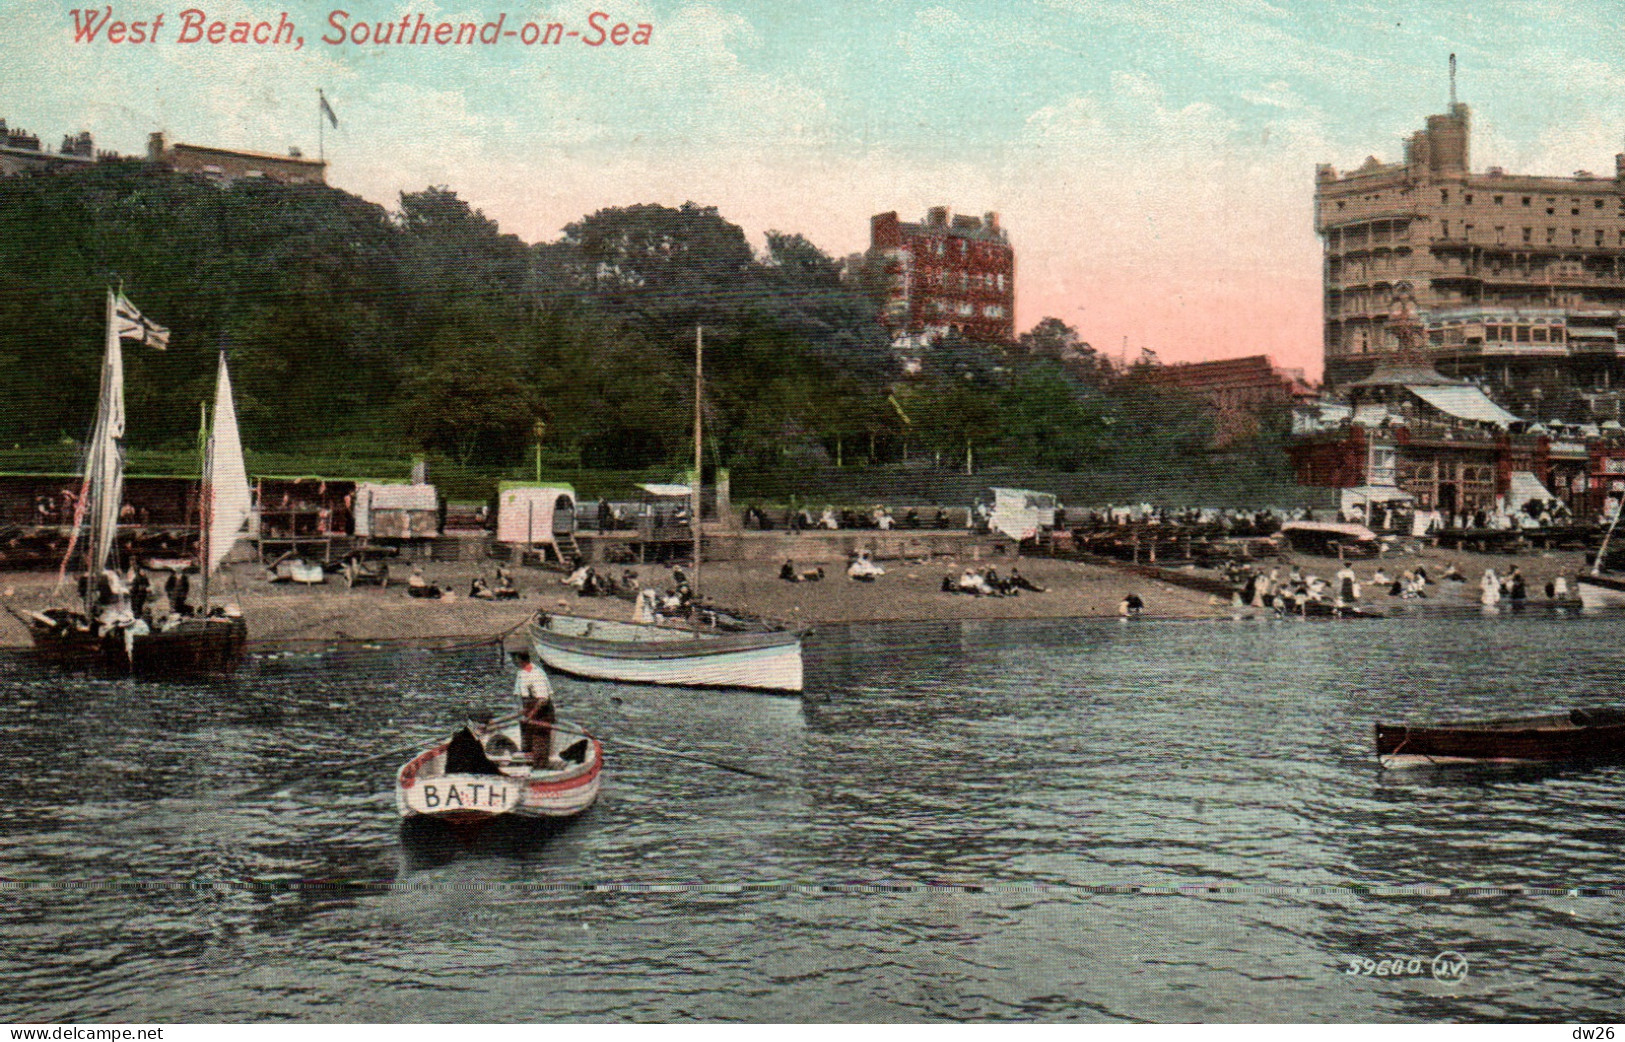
{"x": 1091, "y": 820}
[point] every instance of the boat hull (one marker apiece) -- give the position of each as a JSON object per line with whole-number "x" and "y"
{"x": 637, "y": 654}
{"x": 1575, "y": 736}
{"x": 1600, "y": 591}
{"x": 196, "y": 646}
{"x": 424, "y": 790}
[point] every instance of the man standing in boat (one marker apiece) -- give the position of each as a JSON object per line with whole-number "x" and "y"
{"x": 536, "y": 715}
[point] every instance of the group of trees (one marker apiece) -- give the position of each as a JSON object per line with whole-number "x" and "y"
{"x": 344, "y": 318}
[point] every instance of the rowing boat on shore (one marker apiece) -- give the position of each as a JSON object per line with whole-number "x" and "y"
{"x": 1600, "y": 590}
{"x": 639, "y": 653}
{"x": 1579, "y": 734}
{"x": 480, "y": 775}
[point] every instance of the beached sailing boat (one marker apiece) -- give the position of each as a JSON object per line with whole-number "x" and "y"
{"x": 764, "y": 658}
{"x": 1602, "y": 587}
{"x": 103, "y": 631}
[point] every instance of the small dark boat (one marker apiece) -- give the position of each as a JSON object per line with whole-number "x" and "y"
{"x": 1579, "y": 734}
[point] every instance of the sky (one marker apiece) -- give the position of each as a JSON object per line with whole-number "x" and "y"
{"x": 1152, "y": 161}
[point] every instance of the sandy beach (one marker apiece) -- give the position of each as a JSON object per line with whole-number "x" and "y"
{"x": 909, "y": 591}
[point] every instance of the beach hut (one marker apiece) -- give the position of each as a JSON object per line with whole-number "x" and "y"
{"x": 538, "y": 516}
{"x": 1018, "y": 512}
{"x": 396, "y": 511}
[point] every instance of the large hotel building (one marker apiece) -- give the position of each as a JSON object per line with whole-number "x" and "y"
{"x": 1512, "y": 280}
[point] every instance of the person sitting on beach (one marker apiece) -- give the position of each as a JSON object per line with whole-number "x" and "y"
{"x": 1560, "y": 588}
{"x": 972, "y": 582}
{"x": 479, "y": 589}
{"x": 1452, "y": 574}
{"x": 864, "y": 570}
{"x": 578, "y": 577}
{"x": 1131, "y": 607}
{"x": 418, "y": 586}
{"x": 505, "y": 589}
{"x": 1021, "y": 582}
{"x": 827, "y": 520}
{"x": 787, "y": 571}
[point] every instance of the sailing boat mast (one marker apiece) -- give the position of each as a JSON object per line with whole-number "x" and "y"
{"x": 694, "y": 488}
{"x": 1602, "y": 551}
{"x": 205, "y": 506}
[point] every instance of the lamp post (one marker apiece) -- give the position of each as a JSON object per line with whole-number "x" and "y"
{"x": 539, "y": 430}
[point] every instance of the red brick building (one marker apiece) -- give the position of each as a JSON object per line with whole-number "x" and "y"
{"x": 1238, "y": 389}
{"x": 948, "y": 272}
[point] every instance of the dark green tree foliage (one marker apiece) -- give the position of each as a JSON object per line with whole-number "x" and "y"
{"x": 301, "y": 279}
{"x": 344, "y": 319}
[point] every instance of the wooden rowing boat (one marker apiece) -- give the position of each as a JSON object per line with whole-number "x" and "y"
{"x": 1579, "y": 734}
{"x": 639, "y": 653}
{"x": 479, "y": 775}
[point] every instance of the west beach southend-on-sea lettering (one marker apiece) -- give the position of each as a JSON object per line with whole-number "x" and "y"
{"x": 194, "y": 26}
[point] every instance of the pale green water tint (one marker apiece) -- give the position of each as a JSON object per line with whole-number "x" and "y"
{"x": 1050, "y": 821}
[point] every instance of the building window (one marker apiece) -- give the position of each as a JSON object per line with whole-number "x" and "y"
{"x": 1596, "y": 204}
{"x": 1526, "y": 200}
{"x": 1444, "y": 229}
{"x": 1467, "y": 232}
{"x": 1551, "y": 236}
{"x": 1497, "y": 200}
{"x": 1574, "y": 236}
{"x": 1538, "y": 334}
{"x": 1599, "y": 237}
{"x": 1527, "y": 233}
{"x": 1468, "y": 199}
{"x": 1444, "y": 195}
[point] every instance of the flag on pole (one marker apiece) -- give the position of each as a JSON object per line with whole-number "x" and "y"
{"x": 132, "y": 325}
{"x": 327, "y": 110}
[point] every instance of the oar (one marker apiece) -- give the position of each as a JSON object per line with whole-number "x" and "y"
{"x": 19, "y": 617}
{"x": 719, "y": 764}
{"x": 294, "y": 781}
{"x": 290, "y": 782}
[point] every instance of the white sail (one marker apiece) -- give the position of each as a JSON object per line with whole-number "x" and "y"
{"x": 227, "y": 495}
{"x": 104, "y": 464}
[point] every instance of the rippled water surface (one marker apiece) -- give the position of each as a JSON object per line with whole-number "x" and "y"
{"x": 1031, "y": 821}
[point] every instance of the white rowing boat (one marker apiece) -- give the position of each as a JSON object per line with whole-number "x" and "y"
{"x": 637, "y": 653}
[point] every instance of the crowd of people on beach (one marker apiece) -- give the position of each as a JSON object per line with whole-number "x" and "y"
{"x": 987, "y": 582}
{"x": 1300, "y": 593}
